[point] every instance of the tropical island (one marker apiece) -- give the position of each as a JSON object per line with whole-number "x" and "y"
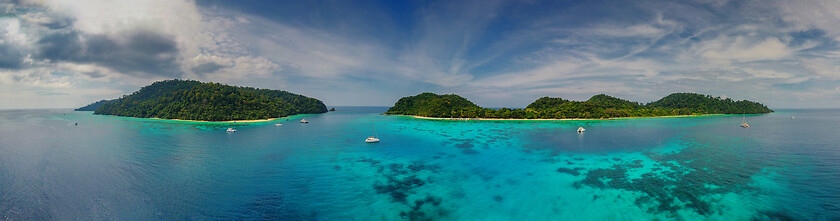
{"x": 198, "y": 101}
{"x": 600, "y": 106}
{"x": 93, "y": 106}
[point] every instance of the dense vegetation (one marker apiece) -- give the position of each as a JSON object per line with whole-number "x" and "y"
{"x": 698, "y": 103}
{"x": 93, "y": 106}
{"x": 193, "y": 100}
{"x": 432, "y": 105}
{"x": 598, "y": 107}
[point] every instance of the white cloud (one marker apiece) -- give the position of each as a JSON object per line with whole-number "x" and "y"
{"x": 546, "y": 74}
{"x": 179, "y": 18}
{"x": 824, "y": 68}
{"x": 638, "y": 30}
{"x": 311, "y": 53}
{"x": 811, "y": 14}
{"x": 226, "y": 69}
{"x": 757, "y": 73}
{"x": 11, "y": 33}
{"x": 571, "y": 68}
{"x": 44, "y": 87}
{"x": 39, "y": 78}
{"x": 741, "y": 49}
{"x": 582, "y": 89}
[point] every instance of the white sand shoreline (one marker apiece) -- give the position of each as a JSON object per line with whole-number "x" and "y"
{"x": 552, "y": 119}
{"x": 203, "y": 121}
{"x": 229, "y": 121}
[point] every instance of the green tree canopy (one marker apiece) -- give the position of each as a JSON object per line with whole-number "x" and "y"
{"x": 93, "y": 106}
{"x": 598, "y": 107}
{"x": 193, "y": 100}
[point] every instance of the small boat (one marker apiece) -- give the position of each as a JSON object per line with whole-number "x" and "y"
{"x": 230, "y": 129}
{"x": 792, "y": 117}
{"x": 744, "y": 124}
{"x": 303, "y": 121}
{"x": 278, "y": 124}
{"x": 372, "y": 139}
{"x": 581, "y": 130}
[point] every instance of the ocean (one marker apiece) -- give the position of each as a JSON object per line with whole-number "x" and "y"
{"x": 684, "y": 168}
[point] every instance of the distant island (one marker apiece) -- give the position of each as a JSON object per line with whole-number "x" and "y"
{"x": 600, "y": 106}
{"x": 194, "y": 100}
{"x": 93, "y": 106}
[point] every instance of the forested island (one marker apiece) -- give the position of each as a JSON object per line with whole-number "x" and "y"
{"x": 598, "y": 107}
{"x": 194, "y": 100}
{"x": 93, "y": 106}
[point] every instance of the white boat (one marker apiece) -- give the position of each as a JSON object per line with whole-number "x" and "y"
{"x": 744, "y": 119}
{"x": 372, "y": 139}
{"x": 792, "y": 117}
{"x": 581, "y": 130}
{"x": 230, "y": 129}
{"x": 278, "y": 124}
{"x": 303, "y": 121}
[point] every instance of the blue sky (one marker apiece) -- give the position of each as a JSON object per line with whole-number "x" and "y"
{"x": 56, "y": 53}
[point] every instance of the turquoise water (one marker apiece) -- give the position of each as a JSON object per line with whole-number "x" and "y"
{"x": 634, "y": 169}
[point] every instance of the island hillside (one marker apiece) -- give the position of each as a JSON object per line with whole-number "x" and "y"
{"x": 432, "y": 105}
{"x": 600, "y": 106}
{"x": 193, "y": 100}
{"x": 93, "y": 106}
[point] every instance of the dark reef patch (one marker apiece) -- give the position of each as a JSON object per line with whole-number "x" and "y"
{"x": 469, "y": 151}
{"x": 685, "y": 182}
{"x": 400, "y": 183}
{"x": 399, "y": 188}
{"x": 774, "y": 216}
{"x": 573, "y": 172}
{"x": 497, "y": 198}
{"x": 271, "y": 207}
{"x": 417, "y": 212}
{"x": 370, "y": 161}
{"x": 464, "y": 145}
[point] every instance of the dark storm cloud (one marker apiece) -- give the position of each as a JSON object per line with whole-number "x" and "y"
{"x": 60, "y": 46}
{"x": 206, "y": 68}
{"x": 57, "y": 23}
{"x": 142, "y": 52}
{"x": 10, "y": 57}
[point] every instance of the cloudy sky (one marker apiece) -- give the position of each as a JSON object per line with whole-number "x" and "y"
{"x": 61, "y": 53}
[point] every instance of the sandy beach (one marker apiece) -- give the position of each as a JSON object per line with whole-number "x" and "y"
{"x": 202, "y": 121}
{"x": 552, "y": 119}
{"x": 230, "y": 121}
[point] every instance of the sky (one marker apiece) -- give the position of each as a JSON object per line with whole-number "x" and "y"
{"x": 785, "y": 54}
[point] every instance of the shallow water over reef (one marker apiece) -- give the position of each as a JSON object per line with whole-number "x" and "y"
{"x": 630, "y": 169}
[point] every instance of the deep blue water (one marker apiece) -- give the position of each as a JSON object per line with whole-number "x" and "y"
{"x": 634, "y": 169}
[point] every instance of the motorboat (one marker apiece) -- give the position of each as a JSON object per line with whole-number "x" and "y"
{"x": 580, "y": 130}
{"x": 303, "y": 121}
{"x": 230, "y": 129}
